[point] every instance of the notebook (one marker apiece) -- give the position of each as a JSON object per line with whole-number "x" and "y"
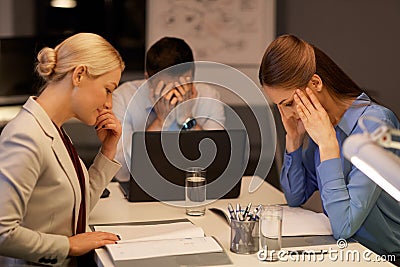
{"x": 157, "y": 167}
{"x": 163, "y": 243}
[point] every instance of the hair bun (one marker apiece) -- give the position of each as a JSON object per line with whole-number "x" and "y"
{"x": 47, "y": 60}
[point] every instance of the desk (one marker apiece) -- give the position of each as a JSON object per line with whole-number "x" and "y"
{"x": 117, "y": 209}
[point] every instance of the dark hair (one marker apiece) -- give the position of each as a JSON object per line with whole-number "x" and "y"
{"x": 290, "y": 62}
{"x": 167, "y": 52}
{"x": 334, "y": 78}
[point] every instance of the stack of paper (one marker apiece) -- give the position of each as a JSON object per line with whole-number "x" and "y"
{"x": 136, "y": 232}
{"x": 160, "y": 248}
{"x": 296, "y": 221}
{"x": 301, "y": 222}
{"x": 140, "y": 241}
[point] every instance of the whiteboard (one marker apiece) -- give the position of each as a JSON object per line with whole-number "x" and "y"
{"x": 234, "y": 32}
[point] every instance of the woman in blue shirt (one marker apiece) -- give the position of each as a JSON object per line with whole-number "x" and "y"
{"x": 319, "y": 107}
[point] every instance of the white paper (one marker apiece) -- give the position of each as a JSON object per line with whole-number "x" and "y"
{"x": 297, "y": 221}
{"x": 174, "y": 230}
{"x": 300, "y": 222}
{"x": 159, "y": 248}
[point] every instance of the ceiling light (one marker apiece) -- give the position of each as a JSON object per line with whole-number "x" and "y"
{"x": 63, "y": 3}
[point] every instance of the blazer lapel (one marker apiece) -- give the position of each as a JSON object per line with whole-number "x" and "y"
{"x": 59, "y": 150}
{"x": 65, "y": 162}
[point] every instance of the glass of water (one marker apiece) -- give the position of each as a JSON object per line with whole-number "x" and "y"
{"x": 195, "y": 191}
{"x": 271, "y": 231}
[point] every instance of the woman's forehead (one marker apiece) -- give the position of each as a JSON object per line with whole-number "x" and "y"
{"x": 278, "y": 95}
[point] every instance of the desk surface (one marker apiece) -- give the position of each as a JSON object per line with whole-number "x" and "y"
{"x": 117, "y": 209}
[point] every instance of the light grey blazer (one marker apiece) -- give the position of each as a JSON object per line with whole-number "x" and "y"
{"x": 39, "y": 189}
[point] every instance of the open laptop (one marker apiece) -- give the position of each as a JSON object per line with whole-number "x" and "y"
{"x": 160, "y": 158}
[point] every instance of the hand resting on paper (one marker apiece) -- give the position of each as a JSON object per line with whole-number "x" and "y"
{"x": 83, "y": 243}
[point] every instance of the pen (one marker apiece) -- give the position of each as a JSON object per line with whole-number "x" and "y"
{"x": 256, "y": 213}
{"x": 232, "y": 212}
{"x": 239, "y": 212}
{"x": 246, "y": 211}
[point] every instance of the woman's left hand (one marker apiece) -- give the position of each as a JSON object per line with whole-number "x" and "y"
{"x": 317, "y": 123}
{"x": 109, "y": 131}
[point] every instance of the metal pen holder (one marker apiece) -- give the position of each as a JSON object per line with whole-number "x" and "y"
{"x": 244, "y": 236}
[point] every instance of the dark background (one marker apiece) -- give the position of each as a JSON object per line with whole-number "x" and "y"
{"x": 121, "y": 22}
{"x": 363, "y": 37}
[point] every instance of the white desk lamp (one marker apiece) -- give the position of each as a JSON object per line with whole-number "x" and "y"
{"x": 366, "y": 152}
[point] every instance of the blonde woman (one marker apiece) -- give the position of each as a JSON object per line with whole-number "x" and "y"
{"x": 46, "y": 193}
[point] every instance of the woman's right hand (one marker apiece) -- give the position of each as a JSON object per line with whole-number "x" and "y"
{"x": 295, "y": 130}
{"x": 83, "y": 243}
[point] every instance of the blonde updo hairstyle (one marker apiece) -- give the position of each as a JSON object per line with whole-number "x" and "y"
{"x": 88, "y": 49}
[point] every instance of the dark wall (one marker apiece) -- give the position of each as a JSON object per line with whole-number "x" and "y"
{"x": 362, "y": 37}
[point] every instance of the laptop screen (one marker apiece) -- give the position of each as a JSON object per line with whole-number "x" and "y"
{"x": 159, "y": 160}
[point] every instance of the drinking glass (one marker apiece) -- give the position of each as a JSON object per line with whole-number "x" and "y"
{"x": 195, "y": 191}
{"x": 271, "y": 231}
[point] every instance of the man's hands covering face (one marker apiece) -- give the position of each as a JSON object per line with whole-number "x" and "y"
{"x": 168, "y": 96}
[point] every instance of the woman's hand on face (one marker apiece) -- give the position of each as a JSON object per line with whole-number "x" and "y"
{"x": 83, "y": 243}
{"x": 109, "y": 131}
{"x": 293, "y": 126}
{"x": 314, "y": 117}
{"x": 317, "y": 123}
{"x": 295, "y": 130}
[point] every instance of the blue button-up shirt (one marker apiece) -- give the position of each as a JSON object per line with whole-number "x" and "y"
{"x": 355, "y": 205}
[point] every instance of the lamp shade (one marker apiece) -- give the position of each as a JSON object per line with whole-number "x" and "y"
{"x": 379, "y": 164}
